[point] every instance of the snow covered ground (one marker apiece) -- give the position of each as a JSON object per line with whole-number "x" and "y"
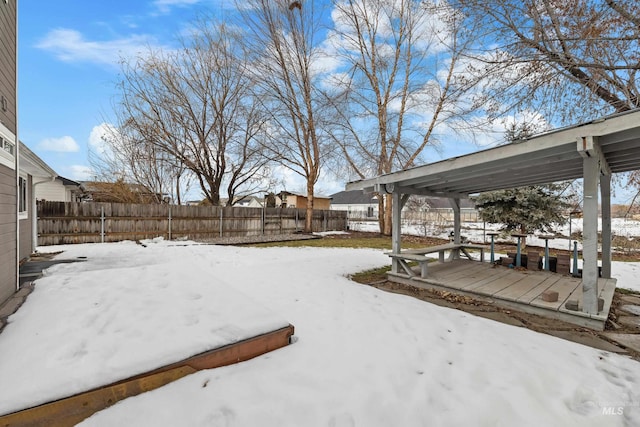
{"x": 475, "y": 231}
{"x": 363, "y": 357}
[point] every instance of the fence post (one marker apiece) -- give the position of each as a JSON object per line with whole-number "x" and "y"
{"x": 296, "y": 219}
{"x": 169, "y": 222}
{"x": 324, "y": 220}
{"x": 263, "y": 219}
{"x": 101, "y": 224}
{"x": 221, "y": 216}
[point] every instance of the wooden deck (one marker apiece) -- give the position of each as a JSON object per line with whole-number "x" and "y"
{"x": 515, "y": 289}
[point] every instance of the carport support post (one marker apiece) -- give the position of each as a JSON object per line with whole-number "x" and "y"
{"x": 397, "y": 203}
{"x": 591, "y": 171}
{"x": 396, "y": 229}
{"x": 605, "y": 202}
{"x": 455, "y": 204}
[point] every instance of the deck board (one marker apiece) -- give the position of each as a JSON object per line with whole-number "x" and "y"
{"x": 515, "y": 288}
{"x": 519, "y": 288}
{"x": 454, "y": 269}
{"x": 492, "y": 286}
{"x": 480, "y": 280}
{"x": 565, "y": 287}
{"x": 538, "y": 289}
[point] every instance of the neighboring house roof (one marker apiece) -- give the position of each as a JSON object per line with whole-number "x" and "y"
{"x": 98, "y": 186}
{"x": 248, "y": 200}
{"x": 356, "y": 197}
{"x": 68, "y": 182}
{"x": 120, "y": 192}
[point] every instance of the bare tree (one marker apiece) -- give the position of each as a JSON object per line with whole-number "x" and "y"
{"x": 127, "y": 156}
{"x": 282, "y": 36}
{"x": 401, "y": 81}
{"x": 195, "y": 105}
{"x": 574, "y": 59}
{"x": 571, "y": 60}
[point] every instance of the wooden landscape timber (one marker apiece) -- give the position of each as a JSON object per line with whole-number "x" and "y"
{"x": 71, "y": 410}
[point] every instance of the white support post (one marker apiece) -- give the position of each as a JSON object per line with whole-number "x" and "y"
{"x": 455, "y": 204}
{"x": 591, "y": 173}
{"x": 396, "y": 229}
{"x": 594, "y": 165}
{"x": 605, "y": 193}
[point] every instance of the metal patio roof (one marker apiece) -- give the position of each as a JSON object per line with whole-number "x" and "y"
{"x": 542, "y": 159}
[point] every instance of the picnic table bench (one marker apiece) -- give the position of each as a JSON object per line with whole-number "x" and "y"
{"x": 419, "y": 255}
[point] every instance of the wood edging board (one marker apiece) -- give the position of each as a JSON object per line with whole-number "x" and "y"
{"x": 71, "y": 410}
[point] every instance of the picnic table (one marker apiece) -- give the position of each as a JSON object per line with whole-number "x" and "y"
{"x": 419, "y": 255}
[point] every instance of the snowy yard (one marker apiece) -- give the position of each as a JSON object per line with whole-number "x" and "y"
{"x": 475, "y": 231}
{"x": 362, "y": 357}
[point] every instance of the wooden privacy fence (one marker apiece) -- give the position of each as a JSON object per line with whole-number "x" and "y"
{"x": 71, "y": 222}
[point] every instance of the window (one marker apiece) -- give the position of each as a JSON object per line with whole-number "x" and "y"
{"x": 22, "y": 197}
{"x": 6, "y": 146}
{"x": 370, "y": 211}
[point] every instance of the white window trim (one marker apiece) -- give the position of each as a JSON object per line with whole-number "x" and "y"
{"x": 7, "y": 159}
{"x": 23, "y": 214}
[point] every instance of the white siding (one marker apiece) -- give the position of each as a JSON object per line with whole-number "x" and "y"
{"x": 357, "y": 210}
{"x": 52, "y": 191}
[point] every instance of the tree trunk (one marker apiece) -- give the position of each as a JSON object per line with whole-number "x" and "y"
{"x": 388, "y": 215}
{"x": 308, "y": 223}
{"x": 178, "y": 196}
{"x": 523, "y": 230}
{"x": 381, "y": 215}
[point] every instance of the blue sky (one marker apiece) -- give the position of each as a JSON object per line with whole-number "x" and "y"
{"x": 68, "y": 67}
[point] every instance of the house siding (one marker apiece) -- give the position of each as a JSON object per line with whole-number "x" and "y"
{"x": 7, "y": 232}
{"x": 300, "y": 202}
{"x": 8, "y": 64}
{"x": 53, "y": 191}
{"x": 8, "y": 121}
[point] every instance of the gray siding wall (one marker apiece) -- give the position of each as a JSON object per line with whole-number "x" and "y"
{"x": 8, "y": 64}
{"x": 8, "y": 223}
{"x": 7, "y": 232}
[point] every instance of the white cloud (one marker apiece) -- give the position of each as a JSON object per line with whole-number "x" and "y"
{"x": 71, "y": 46}
{"x": 289, "y": 180}
{"x": 65, "y": 144}
{"x": 98, "y": 135}
{"x": 164, "y": 6}
{"x": 80, "y": 173}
